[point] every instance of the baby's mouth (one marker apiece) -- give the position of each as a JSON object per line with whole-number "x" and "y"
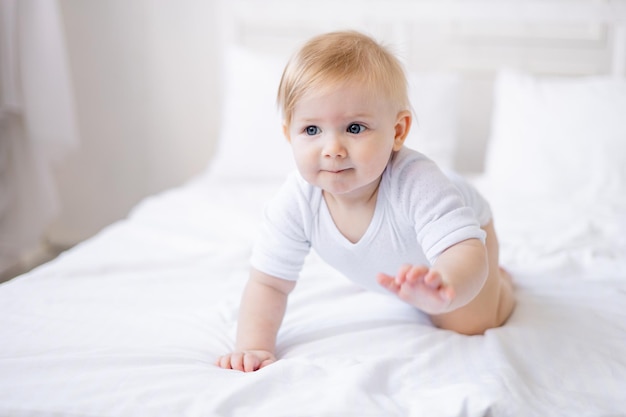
{"x": 336, "y": 170}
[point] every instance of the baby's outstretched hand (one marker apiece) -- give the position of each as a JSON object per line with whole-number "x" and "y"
{"x": 246, "y": 361}
{"x": 421, "y": 287}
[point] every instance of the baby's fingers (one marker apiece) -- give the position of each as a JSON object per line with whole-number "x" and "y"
{"x": 250, "y": 363}
{"x": 247, "y": 361}
{"x": 434, "y": 280}
{"x": 416, "y": 273}
{"x": 388, "y": 282}
{"x": 238, "y": 361}
{"x": 235, "y": 361}
{"x": 447, "y": 293}
{"x": 266, "y": 362}
{"x": 225, "y": 361}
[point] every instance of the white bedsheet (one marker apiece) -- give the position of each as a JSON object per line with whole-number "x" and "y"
{"x": 130, "y": 323}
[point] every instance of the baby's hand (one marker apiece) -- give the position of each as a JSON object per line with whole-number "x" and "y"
{"x": 421, "y": 287}
{"x": 246, "y": 361}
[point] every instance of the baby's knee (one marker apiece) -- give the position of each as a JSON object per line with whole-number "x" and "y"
{"x": 469, "y": 325}
{"x": 506, "y": 301}
{"x": 481, "y": 314}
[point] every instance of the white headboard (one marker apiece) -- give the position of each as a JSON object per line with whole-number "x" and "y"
{"x": 471, "y": 38}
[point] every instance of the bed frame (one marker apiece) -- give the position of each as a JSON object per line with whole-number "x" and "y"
{"x": 470, "y": 38}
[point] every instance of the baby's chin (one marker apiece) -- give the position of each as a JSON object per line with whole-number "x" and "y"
{"x": 347, "y": 188}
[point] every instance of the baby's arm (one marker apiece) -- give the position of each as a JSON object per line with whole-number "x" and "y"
{"x": 456, "y": 277}
{"x": 261, "y": 313}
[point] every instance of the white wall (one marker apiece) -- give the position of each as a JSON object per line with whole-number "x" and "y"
{"x": 146, "y": 90}
{"x": 146, "y": 80}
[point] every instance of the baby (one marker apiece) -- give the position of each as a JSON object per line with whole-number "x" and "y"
{"x": 382, "y": 214}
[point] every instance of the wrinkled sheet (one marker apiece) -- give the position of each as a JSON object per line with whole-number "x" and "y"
{"x": 130, "y": 322}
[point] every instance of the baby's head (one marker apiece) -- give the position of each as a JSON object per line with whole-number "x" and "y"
{"x": 333, "y": 59}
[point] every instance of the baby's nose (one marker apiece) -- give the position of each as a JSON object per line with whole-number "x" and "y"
{"x": 333, "y": 147}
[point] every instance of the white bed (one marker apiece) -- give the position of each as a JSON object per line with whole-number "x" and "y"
{"x": 130, "y": 322}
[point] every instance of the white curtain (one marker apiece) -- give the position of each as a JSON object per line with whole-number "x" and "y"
{"x": 37, "y": 121}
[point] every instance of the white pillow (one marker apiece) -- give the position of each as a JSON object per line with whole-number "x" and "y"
{"x": 434, "y": 97}
{"x": 558, "y": 137}
{"x": 251, "y": 144}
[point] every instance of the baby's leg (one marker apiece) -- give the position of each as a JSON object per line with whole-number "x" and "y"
{"x": 494, "y": 303}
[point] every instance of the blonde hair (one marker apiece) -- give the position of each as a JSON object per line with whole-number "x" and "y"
{"x": 335, "y": 58}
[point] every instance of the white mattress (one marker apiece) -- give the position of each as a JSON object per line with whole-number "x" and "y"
{"x": 130, "y": 323}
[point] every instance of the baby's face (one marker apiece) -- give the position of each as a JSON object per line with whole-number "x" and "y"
{"x": 342, "y": 139}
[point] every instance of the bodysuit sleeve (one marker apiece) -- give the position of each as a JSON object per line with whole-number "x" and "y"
{"x": 282, "y": 243}
{"x": 435, "y": 207}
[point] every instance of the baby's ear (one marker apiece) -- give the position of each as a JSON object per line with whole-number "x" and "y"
{"x": 286, "y": 132}
{"x": 402, "y": 127}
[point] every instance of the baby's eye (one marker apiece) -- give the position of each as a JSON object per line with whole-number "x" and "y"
{"x": 356, "y": 128}
{"x": 312, "y": 130}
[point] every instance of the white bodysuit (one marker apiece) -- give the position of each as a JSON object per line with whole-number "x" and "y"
{"x": 419, "y": 213}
